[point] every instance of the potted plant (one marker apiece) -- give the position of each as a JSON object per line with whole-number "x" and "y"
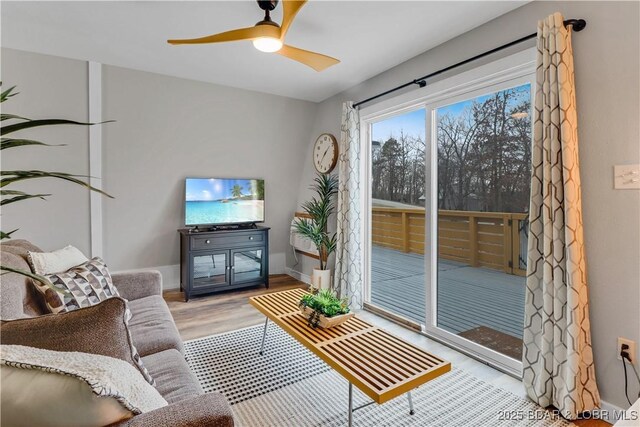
{"x": 18, "y": 123}
{"x": 319, "y": 209}
{"x": 322, "y": 308}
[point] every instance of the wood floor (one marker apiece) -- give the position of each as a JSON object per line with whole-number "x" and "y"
{"x": 226, "y": 312}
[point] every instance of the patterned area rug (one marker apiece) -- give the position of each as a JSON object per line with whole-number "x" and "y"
{"x": 289, "y": 386}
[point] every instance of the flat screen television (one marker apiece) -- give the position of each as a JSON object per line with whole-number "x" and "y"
{"x": 220, "y": 201}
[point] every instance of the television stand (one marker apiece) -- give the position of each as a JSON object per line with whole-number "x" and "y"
{"x": 223, "y": 259}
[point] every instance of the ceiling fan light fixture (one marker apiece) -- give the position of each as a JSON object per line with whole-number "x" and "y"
{"x": 267, "y": 44}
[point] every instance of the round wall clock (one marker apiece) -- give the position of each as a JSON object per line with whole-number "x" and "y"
{"x": 325, "y": 153}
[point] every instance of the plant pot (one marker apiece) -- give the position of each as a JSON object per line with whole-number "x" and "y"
{"x": 321, "y": 279}
{"x": 327, "y": 322}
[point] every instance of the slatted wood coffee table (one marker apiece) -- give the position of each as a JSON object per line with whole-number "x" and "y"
{"x": 381, "y": 365}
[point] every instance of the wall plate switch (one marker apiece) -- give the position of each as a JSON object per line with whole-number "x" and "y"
{"x": 631, "y": 350}
{"x": 626, "y": 177}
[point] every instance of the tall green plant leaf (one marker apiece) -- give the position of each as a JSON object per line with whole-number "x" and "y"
{"x": 15, "y": 176}
{"x": 4, "y": 235}
{"x": 6, "y": 94}
{"x": 4, "y": 117}
{"x": 18, "y": 196}
{"x": 37, "y": 277}
{"x": 10, "y": 177}
{"x": 320, "y": 208}
{"x": 5, "y": 130}
{"x": 12, "y": 142}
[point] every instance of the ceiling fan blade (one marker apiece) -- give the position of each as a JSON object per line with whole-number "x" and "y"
{"x": 290, "y": 10}
{"x": 314, "y": 60}
{"x": 234, "y": 35}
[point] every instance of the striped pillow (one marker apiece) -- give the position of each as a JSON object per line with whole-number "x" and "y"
{"x": 82, "y": 286}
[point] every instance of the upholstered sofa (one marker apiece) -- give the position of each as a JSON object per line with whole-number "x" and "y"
{"x": 152, "y": 330}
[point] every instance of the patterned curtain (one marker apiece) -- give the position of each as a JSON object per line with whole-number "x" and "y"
{"x": 558, "y": 367}
{"x": 348, "y": 268}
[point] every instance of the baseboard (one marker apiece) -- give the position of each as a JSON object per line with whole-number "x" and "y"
{"x": 297, "y": 275}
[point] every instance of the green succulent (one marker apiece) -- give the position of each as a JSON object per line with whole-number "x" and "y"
{"x": 323, "y": 302}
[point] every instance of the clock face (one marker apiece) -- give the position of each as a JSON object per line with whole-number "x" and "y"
{"x": 325, "y": 153}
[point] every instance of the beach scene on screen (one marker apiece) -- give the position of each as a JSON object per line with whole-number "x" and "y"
{"x": 222, "y": 201}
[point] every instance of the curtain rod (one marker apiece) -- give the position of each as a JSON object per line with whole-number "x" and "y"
{"x": 577, "y": 24}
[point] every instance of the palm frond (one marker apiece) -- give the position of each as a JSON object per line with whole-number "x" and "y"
{"x": 15, "y": 142}
{"x": 5, "y": 130}
{"x": 4, "y": 117}
{"x": 18, "y": 196}
{"x": 16, "y": 176}
{"x": 319, "y": 209}
{"x": 4, "y": 235}
{"x": 6, "y": 94}
{"x": 37, "y": 277}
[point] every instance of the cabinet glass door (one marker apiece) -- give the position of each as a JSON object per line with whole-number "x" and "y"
{"x": 247, "y": 264}
{"x": 210, "y": 269}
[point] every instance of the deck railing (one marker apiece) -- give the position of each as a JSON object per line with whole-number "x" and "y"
{"x": 495, "y": 240}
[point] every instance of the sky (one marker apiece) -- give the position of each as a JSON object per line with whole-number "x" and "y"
{"x": 214, "y": 189}
{"x": 414, "y": 122}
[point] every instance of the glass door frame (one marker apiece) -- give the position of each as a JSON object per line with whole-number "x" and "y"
{"x": 508, "y": 72}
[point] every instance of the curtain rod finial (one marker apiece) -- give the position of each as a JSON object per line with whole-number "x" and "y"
{"x": 577, "y": 24}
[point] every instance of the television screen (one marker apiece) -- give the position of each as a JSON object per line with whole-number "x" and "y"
{"x": 223, "y": 201}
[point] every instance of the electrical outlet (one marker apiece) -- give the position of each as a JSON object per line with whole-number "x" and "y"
{"x": 631, "y": 350}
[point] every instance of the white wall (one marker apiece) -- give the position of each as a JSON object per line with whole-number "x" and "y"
{"x": 607, "y": 68}
{"x": 49, "y": 87}
{"x": 169, "y": 128}
{"x": 165, "y": 129}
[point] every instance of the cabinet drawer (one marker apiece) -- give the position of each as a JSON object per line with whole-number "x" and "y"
{"x": 206, "y": 242}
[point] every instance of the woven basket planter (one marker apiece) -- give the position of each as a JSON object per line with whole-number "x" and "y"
{"x": 327, "y": 322}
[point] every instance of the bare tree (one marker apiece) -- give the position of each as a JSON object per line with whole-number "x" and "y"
{"x": 484, "y": 156}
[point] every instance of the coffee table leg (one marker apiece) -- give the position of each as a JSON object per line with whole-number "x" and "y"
{"x": 350, "y": 404}
{"x": 264, "y": 334}
{"x": 411, "y": 411}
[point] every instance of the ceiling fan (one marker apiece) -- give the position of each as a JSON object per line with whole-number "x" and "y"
{"x": 268, "y": 36}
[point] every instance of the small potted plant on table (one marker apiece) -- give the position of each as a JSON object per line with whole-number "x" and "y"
{"x": 314, "y": 227}
{"x": 322, "y": 308}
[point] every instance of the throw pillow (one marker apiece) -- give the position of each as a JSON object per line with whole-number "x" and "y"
{"x": 49, "y": 388}
{"x": 101, "y": 329}
{"x": 44, "y": 263}
{"x": 82, "y": 286}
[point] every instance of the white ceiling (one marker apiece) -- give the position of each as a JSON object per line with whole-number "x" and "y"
{"x": 369, "y": 37}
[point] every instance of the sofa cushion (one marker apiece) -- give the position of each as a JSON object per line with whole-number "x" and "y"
{"x": 100, "y": 329}
{"x": 19, "y": 297}
{"x": 60, "y": 260}
{"x": 82, "y": 286}
{"x": 52, "y": 388}
{"x": 174, "y": 379}
{"x": 152, "y": 326}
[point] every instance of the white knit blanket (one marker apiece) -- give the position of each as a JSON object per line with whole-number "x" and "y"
{"x": 106, "y": 376}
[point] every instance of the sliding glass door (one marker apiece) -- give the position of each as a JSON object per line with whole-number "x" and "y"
{"x": 448, "y": 199}
{"x": 483, "y": 181}
{"x": 397, "y": 189}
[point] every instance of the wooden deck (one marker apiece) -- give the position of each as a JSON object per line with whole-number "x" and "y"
{"x": 468, "y": 297}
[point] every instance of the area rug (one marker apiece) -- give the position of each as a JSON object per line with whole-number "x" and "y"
{"x": 289, "y": 386}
